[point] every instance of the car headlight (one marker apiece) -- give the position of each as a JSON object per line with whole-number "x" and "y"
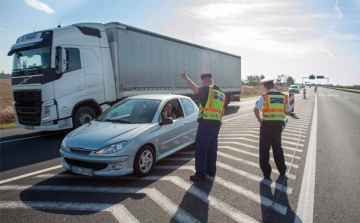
{"x": 111, "y": 148}
{"x": 63, "y": 145}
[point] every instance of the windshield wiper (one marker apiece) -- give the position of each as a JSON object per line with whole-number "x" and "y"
{"x": 118, "y": 121}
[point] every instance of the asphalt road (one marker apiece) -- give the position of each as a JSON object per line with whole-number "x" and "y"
{"x": 34, "y": 188}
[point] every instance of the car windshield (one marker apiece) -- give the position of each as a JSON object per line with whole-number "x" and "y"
{"x": 131, "y": 111}
{"x": 294, "y": 86}
{"x": 25, "y": 59}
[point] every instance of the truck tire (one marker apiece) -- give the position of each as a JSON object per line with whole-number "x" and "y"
{"x": 144, "y": 161}
{"x": 83, "y": 115}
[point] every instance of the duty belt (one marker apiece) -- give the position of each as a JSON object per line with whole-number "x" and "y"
{"x": 274, "y": 116}
{"x": 209, "y": 115}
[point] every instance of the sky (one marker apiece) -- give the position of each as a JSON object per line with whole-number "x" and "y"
{"x": 294, "y": 38}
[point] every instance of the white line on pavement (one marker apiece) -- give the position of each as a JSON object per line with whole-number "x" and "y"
{"x": 165, "y": 203}
{"x": 118, "y": 210}
{"x": 30, "y": 174}
{"x": 305, "y": 209}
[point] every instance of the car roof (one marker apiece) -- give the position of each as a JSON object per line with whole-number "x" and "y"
{"x": 158, "y": 96}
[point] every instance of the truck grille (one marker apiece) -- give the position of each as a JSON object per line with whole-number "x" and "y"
{"x": 28, "y": 106}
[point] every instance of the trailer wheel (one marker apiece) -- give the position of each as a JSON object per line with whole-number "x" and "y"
{"x": 144, "y": 161}
{"x": 83, "y": 115}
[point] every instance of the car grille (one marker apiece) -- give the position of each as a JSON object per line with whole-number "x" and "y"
{"x": 89, "y": 165}
{"x": 80, "y": 151}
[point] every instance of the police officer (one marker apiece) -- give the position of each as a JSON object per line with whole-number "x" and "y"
{"x": 211, "y": 109}
{"x": 274, "y": 106}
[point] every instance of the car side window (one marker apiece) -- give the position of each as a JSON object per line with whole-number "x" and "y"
{"x": 73, "y": 59}
{"x": 188, "y": 106}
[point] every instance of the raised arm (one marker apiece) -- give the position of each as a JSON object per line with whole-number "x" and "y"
{"x": 191, "y": 84}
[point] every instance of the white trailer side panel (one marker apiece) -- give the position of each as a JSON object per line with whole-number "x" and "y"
{"x": 146, "y": 62}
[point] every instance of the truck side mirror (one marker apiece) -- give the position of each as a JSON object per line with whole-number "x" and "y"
{"x": 60, "y": 60}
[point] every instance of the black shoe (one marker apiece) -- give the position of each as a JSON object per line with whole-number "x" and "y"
{"x": 210, "y": 175}
{"x": 196, "y": 178}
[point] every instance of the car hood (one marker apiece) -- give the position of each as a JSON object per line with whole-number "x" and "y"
{"x": 96, "y": 135}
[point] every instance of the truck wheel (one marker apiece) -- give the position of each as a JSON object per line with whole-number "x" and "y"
{"x": 83, "y": 115}
{"x": 144, "y": 161}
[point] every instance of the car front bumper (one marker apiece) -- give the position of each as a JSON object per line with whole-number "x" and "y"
{"x": 101, "y": 166}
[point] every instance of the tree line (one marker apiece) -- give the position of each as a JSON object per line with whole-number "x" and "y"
{"x": 281, "y": 80}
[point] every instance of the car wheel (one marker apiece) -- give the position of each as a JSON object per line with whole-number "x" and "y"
{"x": 144, "y": 161}
{"x": 83, "y": 115}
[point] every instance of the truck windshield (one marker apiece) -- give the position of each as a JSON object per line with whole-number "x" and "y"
{"x": 33, "y": 58}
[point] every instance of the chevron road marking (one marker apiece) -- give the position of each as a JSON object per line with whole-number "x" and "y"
{"x": 117, "y": 210}
{"x": 165, "y": 203}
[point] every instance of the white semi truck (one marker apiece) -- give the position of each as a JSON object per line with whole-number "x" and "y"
{"x": 64, "y": 77}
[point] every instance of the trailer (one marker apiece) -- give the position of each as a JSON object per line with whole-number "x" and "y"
{"x": 65, "y": 77}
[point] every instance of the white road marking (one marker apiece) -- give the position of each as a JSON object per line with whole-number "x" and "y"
{"x": 117, "y": 210}
{"x": 305, "y": 209}
{"x": 32, "y": 137}
{"x": 257, "y": 141}
{"x": 165, "y": 203}
{"x": 30, "y": 174}
{"x": 257, "y": 148}
{"x": 346, "y": 97}
{"x": 255, "y": 154}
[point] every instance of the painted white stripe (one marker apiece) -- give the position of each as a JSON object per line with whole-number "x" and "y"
{"x": 346, "y": 97}
{"x": 182, "y": 167}
{"x": 118, "y": 210}
{"x": 230, "y": 211}
{"x": 29, "y": 174}
{"x": 236, "y": 188}
{"x": 237, "y": 117}
{"x": 291, "y": 134}
{"x": 249, "y": 175}
{"x": 305, "y": 209}
{"x": 256, "y": 136}
{"x": 253, "y": 196}
{"x": 32, "y": 137}
{"x": 165, "y": 203}
{"x": 257, "y": 141}
{"x": 253, "y": 154}
{"x": 257, "y": 148}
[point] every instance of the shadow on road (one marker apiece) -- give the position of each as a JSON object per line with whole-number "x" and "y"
{"x": 269, "y": 215}
{"x": 38, "y": 147}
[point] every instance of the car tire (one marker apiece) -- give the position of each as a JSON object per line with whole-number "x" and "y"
{"x": 82, "y": 116}
{"x": 144, "y": 161}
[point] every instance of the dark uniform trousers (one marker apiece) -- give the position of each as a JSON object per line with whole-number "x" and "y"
{"x": 270, "y": 135}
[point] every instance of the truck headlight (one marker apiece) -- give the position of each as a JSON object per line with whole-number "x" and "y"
{"x": 47, "y": 111}
{"x": 111, "y": 148}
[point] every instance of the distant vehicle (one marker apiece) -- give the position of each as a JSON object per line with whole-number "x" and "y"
{"x": 65, "y": 77}
{"x": 294, "y": 88}
{"x": 130, "y": 136}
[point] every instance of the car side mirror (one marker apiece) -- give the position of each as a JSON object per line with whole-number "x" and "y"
{"x": 166, "y": 121}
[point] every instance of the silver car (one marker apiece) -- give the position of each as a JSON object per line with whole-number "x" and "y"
{"x": 130, "y": 136}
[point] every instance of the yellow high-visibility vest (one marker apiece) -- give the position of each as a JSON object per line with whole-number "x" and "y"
{"x": 274, "y": 108}
{"x": 214, "y": 105}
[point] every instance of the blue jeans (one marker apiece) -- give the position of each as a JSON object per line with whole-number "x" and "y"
{"x": 206, "y": 149}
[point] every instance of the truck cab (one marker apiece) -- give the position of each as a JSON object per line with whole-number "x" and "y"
{"x": 60, "y": 79}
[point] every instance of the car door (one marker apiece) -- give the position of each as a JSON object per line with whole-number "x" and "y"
{"x": 173, "y": 136}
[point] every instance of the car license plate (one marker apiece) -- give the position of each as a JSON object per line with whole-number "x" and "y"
{"x": 80, "y": 170}
{"x": 29, "y": 127}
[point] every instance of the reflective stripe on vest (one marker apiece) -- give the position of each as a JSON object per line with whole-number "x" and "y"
{"x": 274, "y": 108}
{"x": 214, "y": 105}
